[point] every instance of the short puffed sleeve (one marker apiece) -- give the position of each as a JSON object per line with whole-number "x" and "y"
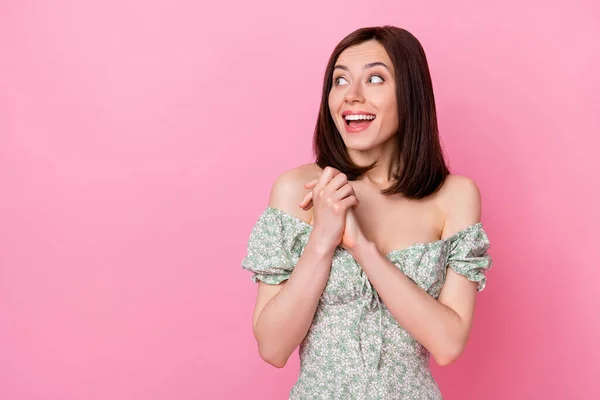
{"x": 468, "y": 254}
{"x": 275, "y": 245}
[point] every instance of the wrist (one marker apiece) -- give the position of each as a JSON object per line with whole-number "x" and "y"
{"x": 320, "y": 248}
{"x": 363, "y": 249}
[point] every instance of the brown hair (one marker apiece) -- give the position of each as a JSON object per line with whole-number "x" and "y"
{"x": 422, "y": 167}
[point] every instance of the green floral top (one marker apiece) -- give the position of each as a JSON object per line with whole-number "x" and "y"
{"x": 355, "y": 349}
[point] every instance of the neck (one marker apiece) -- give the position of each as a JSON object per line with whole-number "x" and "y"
{"x": 382, "y": 174}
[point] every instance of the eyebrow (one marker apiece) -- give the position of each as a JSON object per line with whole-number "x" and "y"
{"x": 370, "y": 65}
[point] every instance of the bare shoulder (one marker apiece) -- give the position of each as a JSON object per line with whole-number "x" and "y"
{"x": 288, "y": 190}
{"x": 460, "y": 200}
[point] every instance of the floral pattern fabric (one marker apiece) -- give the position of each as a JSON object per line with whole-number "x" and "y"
{"x": 355, "y": 349}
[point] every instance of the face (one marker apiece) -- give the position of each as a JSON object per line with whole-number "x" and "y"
{"x": 362, "y": 99}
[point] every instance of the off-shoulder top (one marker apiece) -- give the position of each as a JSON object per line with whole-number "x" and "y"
{"x": 355, "y": 349}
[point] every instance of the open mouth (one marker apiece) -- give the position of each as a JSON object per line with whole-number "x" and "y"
{"x": 358, "y": 122}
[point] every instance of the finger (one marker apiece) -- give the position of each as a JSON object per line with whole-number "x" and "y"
{"x": 343, "y": 192}
{"x": 311, "y": 184}
{"x": 310, "y": 202}
{"x": 346, "y": 203}
{"x": 335, "y": 183}
{"x": 309, "y": 206}
{"x": 307, "y": 199}
{"x": 307, "y": 203}
{"x": 326, "y": 176}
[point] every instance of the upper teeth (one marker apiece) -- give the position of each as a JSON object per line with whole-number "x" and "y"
{"x": 355, "y": 117}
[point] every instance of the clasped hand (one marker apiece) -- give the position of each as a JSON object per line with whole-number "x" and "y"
{"x": 333, "y": 201}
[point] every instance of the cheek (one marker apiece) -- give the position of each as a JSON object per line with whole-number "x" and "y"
{"x": 334, "y": 107}
{"x": 392, "y": 111}
{"x": 334, "y": 101}
{"x": 387, "y": 105}
{"x": 390, "y": 106}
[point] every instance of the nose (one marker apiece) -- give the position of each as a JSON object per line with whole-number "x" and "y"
{"x": 354, "y": 94}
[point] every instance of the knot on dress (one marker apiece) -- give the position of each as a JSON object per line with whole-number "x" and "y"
{"x": 371, "y": 302}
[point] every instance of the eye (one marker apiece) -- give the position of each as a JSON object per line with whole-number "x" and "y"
{"x": 376, "y": 79}
{"x": 338, "y": 81}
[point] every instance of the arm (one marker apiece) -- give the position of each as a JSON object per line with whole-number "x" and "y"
{"x": 441, "y": 325}
{"x": 284, "y": 312}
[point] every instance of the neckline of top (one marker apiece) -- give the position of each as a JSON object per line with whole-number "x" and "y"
{"x": 392, "y": 252}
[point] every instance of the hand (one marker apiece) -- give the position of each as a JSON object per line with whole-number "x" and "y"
{"x": 331, "y": 196}
{"x": 352, "y": 233}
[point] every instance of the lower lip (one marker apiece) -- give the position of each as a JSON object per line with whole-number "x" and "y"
{"x": 358, "y": 127}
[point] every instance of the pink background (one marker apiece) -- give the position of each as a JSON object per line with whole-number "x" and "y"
{"x": 139, "y": 141}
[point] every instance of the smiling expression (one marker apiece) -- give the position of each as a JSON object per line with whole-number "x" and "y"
{"x": 362, "y": 99}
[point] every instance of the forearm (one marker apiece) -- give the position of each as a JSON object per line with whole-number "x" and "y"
{"x": 285, "y": 320}
{"x": 437, "y": 327}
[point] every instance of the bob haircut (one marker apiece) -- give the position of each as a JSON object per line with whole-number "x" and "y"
{"x": 421, "y": 168}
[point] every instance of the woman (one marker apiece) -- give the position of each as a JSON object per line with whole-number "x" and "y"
{"x": 370, "y": 258}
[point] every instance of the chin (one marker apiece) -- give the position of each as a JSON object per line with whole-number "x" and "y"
{"x": 359, "y": 144}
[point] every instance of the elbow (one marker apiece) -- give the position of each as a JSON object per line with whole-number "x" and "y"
{"x": 272, "y": 356}
{"x": 449, "y": 354}
{"x": 270, "y": 352}
{"x": 444, "y": 361}
{"x": 277, "y": 362}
